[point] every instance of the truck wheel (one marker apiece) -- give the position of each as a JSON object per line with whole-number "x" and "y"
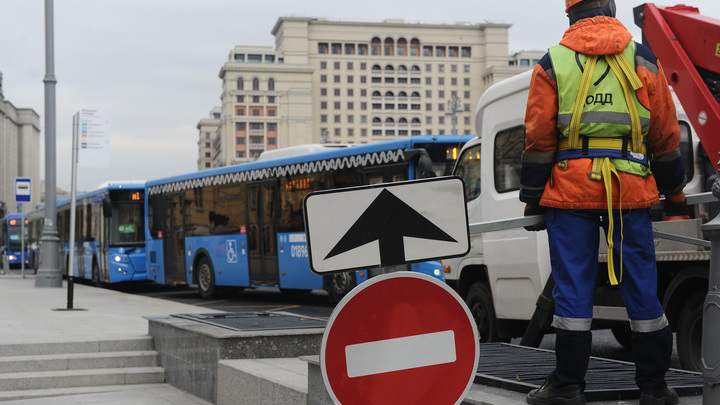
{"x": 623, "y": 335}
{"x": 479, "y": 301}
{"x": 689, "y": 333}
{"x": 339, "y": 285}
{"x": 206, "y": 279}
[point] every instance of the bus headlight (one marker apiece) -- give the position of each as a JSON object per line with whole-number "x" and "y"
{"x": 437, "y": 272}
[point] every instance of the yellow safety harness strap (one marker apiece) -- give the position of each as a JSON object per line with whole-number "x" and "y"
{"x": 630, "y": 82}
{"x": 607, "y": 169}
{"x": 574, "y": 128}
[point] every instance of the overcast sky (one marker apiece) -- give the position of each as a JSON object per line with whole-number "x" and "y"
{"x": 153, "y": 64}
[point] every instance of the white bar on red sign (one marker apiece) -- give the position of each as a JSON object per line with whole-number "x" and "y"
{"x": 403, "y": 353}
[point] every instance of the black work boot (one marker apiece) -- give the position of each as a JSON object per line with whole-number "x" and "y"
{"x": 547, "y": 394}
{"x": 668, "y": 396}
{"x": 652, "y": 352}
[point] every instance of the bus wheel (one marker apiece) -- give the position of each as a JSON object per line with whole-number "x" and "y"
{"x": 96, "y": 275}
{"x": 206, "y": 279}
{"x": 340, "y": 284}
{"x": 689, "y": 333}
{"x": 479, "y": 301}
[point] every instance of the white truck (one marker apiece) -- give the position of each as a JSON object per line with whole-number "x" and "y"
{"x": 505, "y": 272}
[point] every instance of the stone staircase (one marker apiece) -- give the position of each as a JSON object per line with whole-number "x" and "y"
{"x": 48, "y": 369}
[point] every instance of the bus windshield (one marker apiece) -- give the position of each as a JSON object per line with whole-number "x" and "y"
{"x": 127, "y": 224}
{"x": 14, "y": 243}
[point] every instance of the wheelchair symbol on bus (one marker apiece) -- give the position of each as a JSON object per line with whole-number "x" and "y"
{"x": 231, "y": 251}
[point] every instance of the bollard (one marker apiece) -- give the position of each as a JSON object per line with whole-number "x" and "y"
{"x": 711, "y": 319}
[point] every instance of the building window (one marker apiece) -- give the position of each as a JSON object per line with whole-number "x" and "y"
{"x": 323, "y": 78}
{"x": 363, "y": 66}
{"x": 465, "y": 52}
{"x": 239, "y": 57}
{"x": 350, "y": 119}
{"x": 271, "y": 99}
{"x": 323, "y": 91}
{"x": 428, "y": 67}
{"x": 323, "y": 105}
{"x": 271, "y": 112}
{"x": 362, "y": 49}
{"x": 240, "y": 99}
{"x": 350, "y": 78}
{"x": 256, "y": 99}
{"x": 271, "y": 141}
{"x": 240, "y": 111}
{"x": 363, "y": 131}
{"x": 323, "y": 118}
{"x": 349, "y": 66}
{"x": 271, "y": 84}
{"x": 271, "y": 126}
{"x": 428, "y": 107}
{"x": 336, "y": 49}
{"x": 428, "y": 120}
{"x": 256, "y": 84}
{"x": 441, "y": 81}
{"x": 323, "y": 48}
{"x": 240, "y": 140}
{"x": 350, "y": 105}
{"x": 363, "y": 92}
{"x": 336, "y": 78}
{"x": 350, "y": 92}
{"x": 349, "y": 49}
{"x": 466, "y": 68}
{"x": 240, "y": 154}
{"x": 363, "y": 105}
{"x": 207, "y": 164}
{"x": 336, "y": 105}
{"x": 363, "y": 79}
{"x": 336, "y": 92}
{"x": 466, "y": 81}
{"x": 256, "y": 125}
{"x": 240, "y": 83}
{"x": 323, "y": 65}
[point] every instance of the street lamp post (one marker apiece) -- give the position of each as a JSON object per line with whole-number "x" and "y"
{"x": 48, "y": 274}
{"x": 453, "y": 109}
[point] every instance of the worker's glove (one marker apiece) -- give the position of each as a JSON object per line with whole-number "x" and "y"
{"x": 675, "y": 204}
{"x": 534, "y": 209}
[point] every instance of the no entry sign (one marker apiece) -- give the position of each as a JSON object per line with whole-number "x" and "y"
{"x": 400, "y": 338}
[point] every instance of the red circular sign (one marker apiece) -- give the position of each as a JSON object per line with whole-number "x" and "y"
{"x": 400, "y": 338}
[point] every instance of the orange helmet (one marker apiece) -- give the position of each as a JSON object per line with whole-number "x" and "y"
{"x": 570, "y": 3}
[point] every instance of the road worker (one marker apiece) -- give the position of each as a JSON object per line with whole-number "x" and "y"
{"x": 601, "y": 141}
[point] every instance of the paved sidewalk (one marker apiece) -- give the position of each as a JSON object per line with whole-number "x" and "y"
{"x": 29, "y": 314}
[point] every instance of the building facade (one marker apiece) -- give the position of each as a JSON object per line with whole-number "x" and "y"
{"x": 349, "y": 82}
{"x": 19, "y": 153}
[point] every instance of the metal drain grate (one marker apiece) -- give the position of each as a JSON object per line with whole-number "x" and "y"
{"x": 252, "y": 321}
{"x": 521, "y": 369}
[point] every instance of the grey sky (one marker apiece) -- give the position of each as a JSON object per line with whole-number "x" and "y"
{"x": 154, "y": 64}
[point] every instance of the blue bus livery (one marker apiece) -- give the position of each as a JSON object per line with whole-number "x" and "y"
{"x": 109, "y": 234}
{"x": 242, "y": 226}
{"x": 12, "y": 239}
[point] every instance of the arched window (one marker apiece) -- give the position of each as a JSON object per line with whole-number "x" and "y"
{"x": 271, "y": 84}
{"x": 389, "y": 47}
{"x": 389, "y": 120}
{"x": 376, "y": 67}
{"x": 416, "y": 120}
{"x": 415, "y": 94}
{"x": 415, "y": 68}
{"x": 402, "y": 47}
{"x": 240, "y": 83}
{"x": 377, "y": 120}
{"x": 389, "y": 68}
{"x": 402, "y": 94}
{"x": 376, "y": 94}
{"x": 256, "y": 83}
{"x": 402, "y": 121}
{"x": 402, "y": 68}
{"x": 375, "y": 46}
{"x": 389, "y": 94}
{"x": 414, "y": 47}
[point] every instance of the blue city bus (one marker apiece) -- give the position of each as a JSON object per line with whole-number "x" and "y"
{"x": 12, "y": 238}
{"x": 109, "y": 234}
{"x": 242, "y": 226}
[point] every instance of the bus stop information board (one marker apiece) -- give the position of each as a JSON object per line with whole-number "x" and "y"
{"x": 23, "y": 190}
{"x": 386, "y": 224}
{"x": 400, "y": 338}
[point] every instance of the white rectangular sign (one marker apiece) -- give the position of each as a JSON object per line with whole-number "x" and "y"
{"x": 23, "y": 189}
{"x": 93, "y": 135}
{"x": 386, "y": 224}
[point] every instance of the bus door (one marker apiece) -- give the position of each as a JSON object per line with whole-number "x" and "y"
{"x": 263, "y": 215}
{"x": 173, "y": 238}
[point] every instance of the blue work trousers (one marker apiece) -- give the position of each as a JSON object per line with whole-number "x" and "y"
{"x": 574, "y": 237}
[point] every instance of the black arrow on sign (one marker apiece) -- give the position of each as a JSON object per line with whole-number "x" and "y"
{"x": 388, "y": 219}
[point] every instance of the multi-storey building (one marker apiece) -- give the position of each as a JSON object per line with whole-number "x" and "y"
{"x": 350, "y": 82}
{"x": 19, "y": 152}
{"x": 208, "y": 128}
